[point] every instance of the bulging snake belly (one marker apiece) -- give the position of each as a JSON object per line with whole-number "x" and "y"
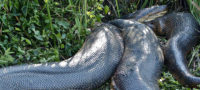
{"x": 123, "y": 48}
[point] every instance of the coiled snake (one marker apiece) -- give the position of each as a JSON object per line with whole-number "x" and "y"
{"x": 125, "y": 49}
{"x": 182, "y": 36}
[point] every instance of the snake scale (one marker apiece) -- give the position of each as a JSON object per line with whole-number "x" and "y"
{"x": 123, "y": 48}
{"x": 88, "y": 69}
{"x": 142, "y": 61}
{"x": 182, "y": 36}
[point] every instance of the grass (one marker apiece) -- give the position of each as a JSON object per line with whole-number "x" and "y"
{"x": 195, "y": 8}
{"x": 39, "y": 31}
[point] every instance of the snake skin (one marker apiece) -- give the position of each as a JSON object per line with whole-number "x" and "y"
{"x": 141, "y": 57}
{"x": 142, "y": 60}
{"x": 182, "y": 32}
{"x": 94, "y": 64}
{"x": 146, "y": 14}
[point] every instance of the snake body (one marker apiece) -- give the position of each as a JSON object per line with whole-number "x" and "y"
{"x": 142, "y": 60}
{"x": 94, "y": 64}
{"x": 182, "y": 32}
{"x": 146, "y": 14}
{"x": 98, "y": 59}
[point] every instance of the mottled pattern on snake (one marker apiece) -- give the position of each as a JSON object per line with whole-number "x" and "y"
{"x": 93, "y": 65}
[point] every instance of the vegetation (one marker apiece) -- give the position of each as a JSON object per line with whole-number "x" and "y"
{"x": 39, "y": 31}
{"x": 194, "y": 8}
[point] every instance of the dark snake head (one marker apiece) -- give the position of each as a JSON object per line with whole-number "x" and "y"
{"x": 147, "y": 14}
{"x": 144, "y": 15}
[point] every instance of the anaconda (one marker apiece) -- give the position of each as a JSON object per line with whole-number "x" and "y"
{"x": 94, "y": 64}
{"x": 142, "y": 61}
{"x": 147, "y": 14}
{"x": 141, "y": 64}
{"x": 100, "y": 55}
{"x": 182, "y": 32}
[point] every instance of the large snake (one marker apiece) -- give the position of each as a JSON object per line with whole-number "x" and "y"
{"x": 142, "y": 61}
{"x": 88, "y": 69}
{"x": 131, "y": 42}
{"x": 183, "y": 33}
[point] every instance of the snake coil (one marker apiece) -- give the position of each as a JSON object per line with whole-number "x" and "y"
{"x": 183, "y": 33}
{"x": 130, "y": 41}
{"x": 142, "y": 59}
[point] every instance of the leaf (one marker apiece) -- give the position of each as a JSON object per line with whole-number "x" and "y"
{"x": 91, "y": 14}
{"x": 99, "y": 17}
{"x": 39, "y": 37}
{"x": 47, "y": 21}
{"x": 20, "y": 50}
{"x": 6, "y": 58}
{"x": 99, "y": 7}
{"x": 7, "y": 52}
{"x": 4, "y": 19}
{"x": 62, "y": 46}
{"x": 64, "y": 24}
{"x": 16, "y": 4}
{"x": 17, "y": 29}
{"x": 24, "y": 10}
{"x": 46, "y": 1}
{"x": 3, "y": 47}
{"x": 6, "y": 31}
{"x": 3, "y": 61}
{"x": 58, "y": 36}
{"x": 106, "y": 9}
{"x": 28, "y": 41}
{"x": 63, "y": 36}
{"x": 57, "y": 3}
